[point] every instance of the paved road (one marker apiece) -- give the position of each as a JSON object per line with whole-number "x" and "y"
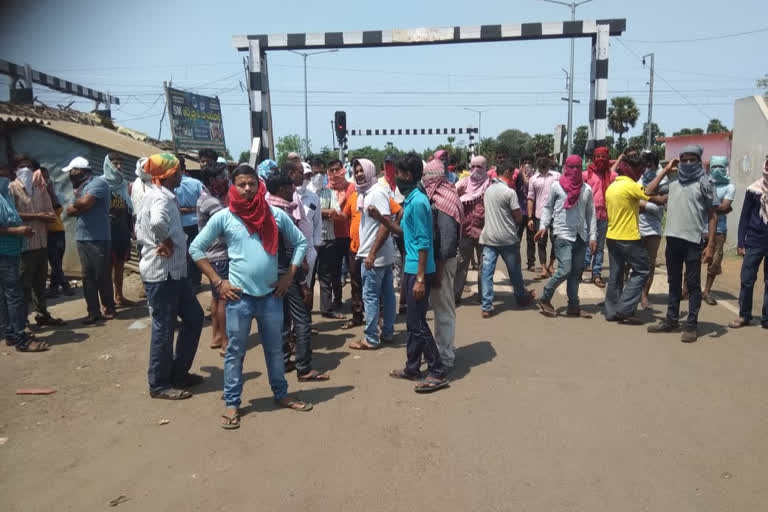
{"x": 542, "y": 415}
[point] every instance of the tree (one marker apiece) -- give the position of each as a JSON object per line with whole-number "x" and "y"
{"x": 622, "y": 115}
{"x": 288, "y": 144}
{"x": 716, "y": 126}
{"x": 514, "y": 142}
{"x": 541, "y": 143}
{"x": 487, "y": 148}
{"x": 580, "y": 138}
{"x": 245, "y": 156}
{"x": 762, "y": 83}
{"x": 688, "y": 131}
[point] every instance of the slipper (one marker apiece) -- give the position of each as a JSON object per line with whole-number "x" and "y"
{"x": 577, "y": 313}
{"x": 598, "y": 281}
{"x": 401, "y": 374}
{"x": 294, "y": 405}
{"x": 362, "y": 345}
{"x": 171, "y": 394}
{"x": 314, "y": 375}
{"x": 333, "y": 316}
{"x": 349, "y": 324}
{"x": 546, "y": 309}
{"x": 49, "y": 320}
{"x": 738, "y": 323}
{"x": 39, "y": 346}
{"x": 430, "y": 384}
{"x": 230, "y": 422}
{"x": 709, "y": 300}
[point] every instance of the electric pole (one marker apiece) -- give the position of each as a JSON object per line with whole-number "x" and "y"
{"x": 479, "y": 120}
{"x": 650, "y": 101}
{"x": 306, "y": 107}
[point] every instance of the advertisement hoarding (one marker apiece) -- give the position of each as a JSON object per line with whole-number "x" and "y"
{"x": 195, "y": 121}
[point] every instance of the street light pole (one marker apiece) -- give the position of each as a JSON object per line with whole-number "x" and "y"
{"x": 573, "y": 6}
{"x": 306, "y": 103}
{"x": 479, "y": 120}
{"x": 650, "y": 101}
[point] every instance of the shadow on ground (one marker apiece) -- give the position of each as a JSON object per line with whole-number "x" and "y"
{"x": 314, "y": 396}
{"x": 470, "y": 356}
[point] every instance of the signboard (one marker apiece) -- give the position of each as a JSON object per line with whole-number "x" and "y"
{"x": 195, "y": 121}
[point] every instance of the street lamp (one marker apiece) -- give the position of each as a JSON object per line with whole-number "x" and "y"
{"x": 479, "y": 120}
{"x": 573, "y": 6}
{"x": 306, "y": 109}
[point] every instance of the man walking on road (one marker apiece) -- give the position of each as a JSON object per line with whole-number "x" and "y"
{"x": 499, "y": 238}
{"x": 163, "y": 268}
{"x": 570, "y": 211}
{"x": 691, "y": 217}
{"x": 94, "y": 238}
{"x": 753, "y": 247}
{"x": 251, "y": 229}
{"x": 599, "y": 177}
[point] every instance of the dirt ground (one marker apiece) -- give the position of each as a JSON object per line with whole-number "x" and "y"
{"x": 542, "y": 415}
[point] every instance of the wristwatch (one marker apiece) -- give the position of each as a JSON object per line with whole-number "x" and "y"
{"x": 419, "y": 279}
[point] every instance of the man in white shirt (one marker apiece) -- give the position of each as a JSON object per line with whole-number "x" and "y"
{"x": 312, "y": 225}
{"x": 378, "y": 254}
{"x": 163, "y": 268}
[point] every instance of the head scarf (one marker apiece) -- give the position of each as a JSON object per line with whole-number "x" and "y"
{"x": 338, "y": 182}
{"x": 688, "y": 173}
{"x": 389, "y": 174}
{"x": 760, "y": 187}
{"x": 369, "y": 170}
{"x": 478, "y": 180}
{"x": 24, "y": 175}
{"x": 265, "y": 168}
{"x": 718, "y": 169}
{"x": 161, "y": 166}
{"x": 572, "y": 180}
{"x": 143, "y": 176}
{"x": 117, "y": 183}
{"x": 438, "y": 155}
{"x": 441, "y": 193}
{"x": 601, "y": 160}
{"x": 9, "y": 217}
{"x": 256, "y": 216}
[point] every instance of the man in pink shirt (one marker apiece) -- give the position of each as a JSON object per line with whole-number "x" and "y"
{"x": 599, "y": 176}
{"x": 539, "y": 186}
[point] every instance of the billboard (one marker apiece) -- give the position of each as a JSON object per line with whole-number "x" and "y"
{"x": 195, "y": 121}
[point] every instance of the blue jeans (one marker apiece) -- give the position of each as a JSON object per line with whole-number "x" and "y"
{"x": 13, "y": 309}
{"x": 268, "y": 312}
{"x": 597, "y": 265}
{"x": 378, "y": 285}
{"x": 168, "y": 300}
{"x": 511, "y": 256}
{"x": 570, "y": 256}
{"x": 622, "y": 298}
{"x": 749, "y": 267}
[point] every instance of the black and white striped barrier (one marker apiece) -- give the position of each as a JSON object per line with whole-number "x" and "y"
{"x": 413, "y": 131}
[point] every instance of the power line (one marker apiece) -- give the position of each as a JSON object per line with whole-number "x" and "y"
{"x": 699, "y": 39}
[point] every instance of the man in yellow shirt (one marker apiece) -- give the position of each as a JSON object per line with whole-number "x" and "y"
{"x": 623, "y": 200}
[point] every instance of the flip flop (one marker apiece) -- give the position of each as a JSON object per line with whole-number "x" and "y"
{"x": 314, "y": 376}
{"x": 578, "y": 314}
{"x": 349, "y": 324}
{"x": 430, "y": 384}
{"x": 294, "y": 405}
{"x": 230, "y": 422}
{"x": 171, "y": 394}
{"x": 709, "y": 300}
{"x": 401, "y": 374}
{"x": 39, "y": 346}
{"x": 546, "y": 309}
{"x": 362, "y": 345}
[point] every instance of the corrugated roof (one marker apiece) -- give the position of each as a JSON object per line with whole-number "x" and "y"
{"x": 12, "y": 118}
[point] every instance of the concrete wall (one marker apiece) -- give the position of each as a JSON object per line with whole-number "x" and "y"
{"x": 748, "y": 151}
{"x": 718, "y": 144}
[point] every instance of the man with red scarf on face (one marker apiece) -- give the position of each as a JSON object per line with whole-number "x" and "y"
{"x": 599, "y": 177}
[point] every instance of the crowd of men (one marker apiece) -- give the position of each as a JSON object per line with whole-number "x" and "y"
{"x": 264, "y": 236}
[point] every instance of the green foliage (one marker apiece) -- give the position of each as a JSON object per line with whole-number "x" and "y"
{"x": 622, "y": 115}
{"x": 716, "y": 126}
{"x": 288, "y": 144}
{"x": 580, "y": 139}
{"x": 688, "y": 131}
{"x": 245, "y": 156}
{"x": 541, "y": 143}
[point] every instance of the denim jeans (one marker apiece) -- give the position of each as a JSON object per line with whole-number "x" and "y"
{"x": 168, "y": 300}
{"x": 749, "y": 267}
{"x": 420, "y": 341}
{"x": 268, "y": 312}
{"x": 597, "y": 265}
{"x": 296, "y": 313}
{"x": 683, "y": 257}
{"x": 378, "y": 285}
{"x": 511, "y": 256}
{"x": 620, "y": 298}
{"x": 96, "y": 264}
{"x": 570, "y": 258}
{"x": 13, "y": 310}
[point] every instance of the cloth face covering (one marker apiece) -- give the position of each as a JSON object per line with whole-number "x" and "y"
{"x": 572, "y": 180}
{"x": 256, "y": 216}
{"x": 369, "y": 170}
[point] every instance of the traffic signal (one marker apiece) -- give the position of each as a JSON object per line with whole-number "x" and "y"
{"x": 340, "y": 124}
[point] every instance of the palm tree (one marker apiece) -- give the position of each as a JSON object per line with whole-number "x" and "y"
{"x": 622, "y": 115}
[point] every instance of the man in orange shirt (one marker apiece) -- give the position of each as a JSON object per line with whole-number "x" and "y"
{"x": 352, "y": 213}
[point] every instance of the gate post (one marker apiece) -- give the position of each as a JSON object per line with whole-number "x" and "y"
{"x": 598, "y": 89}
{"x": 262, "y": 146}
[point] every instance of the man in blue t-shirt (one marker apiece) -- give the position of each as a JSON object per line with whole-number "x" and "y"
{"x": 725, "y": 191}
{"x": 419, "y": 270}
{"x": 94, "y": 237}
{"x": 187, "y": 194}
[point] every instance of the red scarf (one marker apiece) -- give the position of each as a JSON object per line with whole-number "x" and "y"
{"x": 256, "y": 216}
{"x": 572, "y": 180}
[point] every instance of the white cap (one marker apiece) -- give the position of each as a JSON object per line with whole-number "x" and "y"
{"x": 307, "y": 168}
{"x": 77, "y": 163}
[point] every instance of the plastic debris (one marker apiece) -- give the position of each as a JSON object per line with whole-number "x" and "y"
{"x": 35, "y": 391}
{"x": 163, "y": 422}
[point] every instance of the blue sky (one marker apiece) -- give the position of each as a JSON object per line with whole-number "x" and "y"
{"x": 130, "y": 48}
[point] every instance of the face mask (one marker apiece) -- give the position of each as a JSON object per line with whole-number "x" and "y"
{"x": 77, "y": 179}
{"x": 689, "y": 168}
{"x": 405, "y": 187}
{"x": 317, "y": 181}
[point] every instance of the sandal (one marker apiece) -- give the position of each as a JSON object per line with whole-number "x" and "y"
{"x": 402, "y": 374}
{"x": 124, "y": 303}
{"x": 171, "y": 394}
{"x": 430, "y": 384}
{"x": 738, "y": 323}
{"x": 577, "y": 313}
{"x": 546, "y": 309}
{"x": 528, "y": 300}
{"x": 314, "y": 376}
{"x": 598, "y": 281}
{"x": 231, "y": 422}
{"x": 349, "y": 324}
{"x": 333, "y": 316}
{"x": 32, "y": 345}
{"x": 49, "y": 320}
{"x": 709, "y": 300}
{"x": 362, "y": 345}
{"x": 293, "y": 404}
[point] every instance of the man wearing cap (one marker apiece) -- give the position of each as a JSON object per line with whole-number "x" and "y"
{"x": 690, "y": 231}
{"x": 94, "y": 237}
{"x": 34, "y": 207}
{"x": 163, "y": 268}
